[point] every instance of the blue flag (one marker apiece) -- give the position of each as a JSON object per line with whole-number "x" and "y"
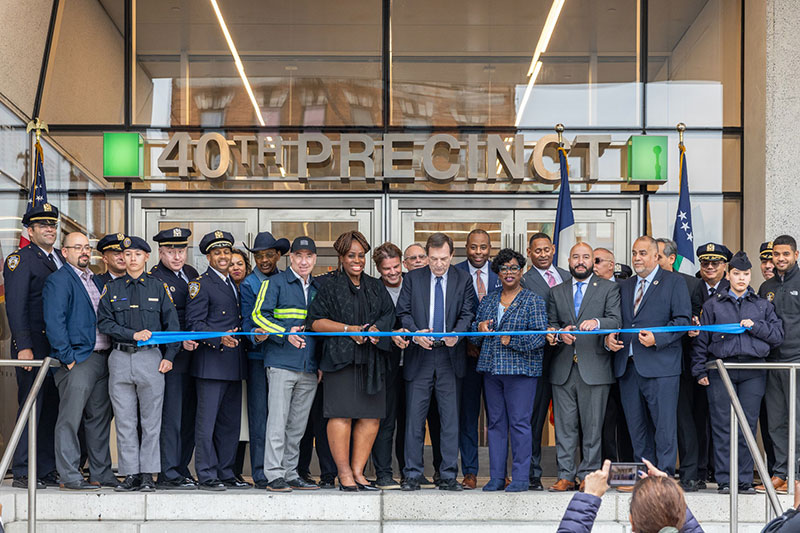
{"x": 683, "y": 234}
{"x": 564, "y": 232}
{"x": 38, "y": 192}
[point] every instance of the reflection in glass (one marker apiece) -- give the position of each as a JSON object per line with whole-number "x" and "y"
{"x": 458, "y": 231}
{"x": 324, "y": 235}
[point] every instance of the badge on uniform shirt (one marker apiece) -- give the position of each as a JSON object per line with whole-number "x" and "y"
{"x": 13, "y": 262}
{"x": 171, "y": 288}
{"x": 166, "y": 288}
{"x": 770, "y": 296}
{"x": 194, "y": 288}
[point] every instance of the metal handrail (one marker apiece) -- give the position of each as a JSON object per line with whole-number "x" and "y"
{"x": 738, "y": 418}
{"x": 27, "y": 415}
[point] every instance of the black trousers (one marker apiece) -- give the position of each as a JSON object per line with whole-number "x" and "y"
{"x": 46, "y": 416}
{"x": 386, "y": 439}
{"x": 616, "y": 438}
{"x": 693, "y": 430}
{"x": 316, "y": 436}
{"x": 217, "y": 425}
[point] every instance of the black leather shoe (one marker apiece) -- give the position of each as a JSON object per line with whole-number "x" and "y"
{"x": 50, "y": 480}
{"x": 261, "y": 484}
{"x": 327, "y": 484}
{"x": 147, "y": 484}
{"x": 110, "y": 482}
{"x": 690, "y": 485}
{"x": 177, "y": 484}
{"x": 131, "y": 484}
{"x": 701, "y": 485}
{"x": 437, "y": 479}
{"x": 213, "y": 485}
{"x": 367, "y": 488}
{"x": 278, "y": 485}
{"x": 301, "y": 484}
{"x": 746, "y": 488}
{"x": 426, "y": 483}
{"x": 410, "y": 484}
{"x": 307, "y": 478}
{"x": 347, "y": 488}
{"x": 79, "y": 485}
{"x": 535, "y": 484}
{"x": 724, "y": 488}
{"x": 21, "y": 482}
{"x": 451, "y": 485}
{"x": 235, "y": 484}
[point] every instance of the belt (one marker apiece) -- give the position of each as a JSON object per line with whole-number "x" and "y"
{"x": 129, "y": 348}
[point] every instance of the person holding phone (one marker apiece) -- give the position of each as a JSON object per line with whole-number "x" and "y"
{"x": 511, "y": 366}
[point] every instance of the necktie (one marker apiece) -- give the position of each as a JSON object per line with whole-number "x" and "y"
{"x": 438, "y": 306}
{"x": 578, "y": 298}
{"x": 230, "y": 284}
{"x": 639, "y": 296}
{"x": 480, "y": 284}
{"x": 181, "y": 275}
{"x": 136, "y": 308}
{"x": 711, "y": 291}
{"x": 551, "y": 279}
{"x": 52, "y": 260}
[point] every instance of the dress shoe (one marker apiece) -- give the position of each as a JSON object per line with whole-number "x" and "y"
{"x": 278, "y": 485}
{"x": 780, "y": 486}
{"x": 724, "y": 488}
{"x": 535, "y": 484}
{"x": 177, "y": 484}
{"x": 562, "y": 485}
{"x": 437, "y": 478}
{"x": 701, "y": 485}
{"x": 410, "y": 484}
{"x": 517, "y": 486}
{"x": 469, "y": 482}
{"x": 213, "y": 485}
{"x": 307, "y": 478}
{"x": 347, "y": 488}
{"x": 387, "y": 483}
{"x": 426, "y": 483}
{"x": 327, "y": 483}
{"x": 451, "y": 485}
{"x": 301, "y": 484}
{"x": 50, "y": 480}
{"x": 79, "y": 485}
{"x": 689, "y": 485}
{"x": 746, "y": 488}
{"x": 261, "y": 484}
{"x": 130, "y": 484}
{"x": 625, "y": 488}
{"x": 147, "y": 484}
{"x": 494, "y": 484}
{"x": 239, "y": 478}
{"x": 235, "y": 484}
{"x": 21, "y": 482}
{"x": 508, "y": 481}
{"x": 367, "y": 488}
{"x": 582, "y": 485}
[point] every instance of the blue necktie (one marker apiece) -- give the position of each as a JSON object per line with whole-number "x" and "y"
{"x": 438, "y": 306}
{"x": 578, "y": 298}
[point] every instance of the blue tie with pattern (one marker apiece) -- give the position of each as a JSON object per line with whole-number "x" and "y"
{"x": 438, "y": 306}
{"x": 578, "y": 298}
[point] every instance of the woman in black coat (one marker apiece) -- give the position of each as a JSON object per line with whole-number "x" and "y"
{"x": 353, "y": 367}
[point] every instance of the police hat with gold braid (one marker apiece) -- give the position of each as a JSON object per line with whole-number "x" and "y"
{"x": 41, "y": 214}
{"x": 765, "y": 252}
{"x": 215, "y": 239}
{"x": 111, "y": 243}
{"x": 173, "y": 237}
{"x": 713, "y": 252}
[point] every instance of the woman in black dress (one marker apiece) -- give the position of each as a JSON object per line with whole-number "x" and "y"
{"x": 354, "y": 367}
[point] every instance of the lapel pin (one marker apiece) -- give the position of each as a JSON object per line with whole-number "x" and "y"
{"x": 655, "y": 282}
{"x": 594, "y": 284}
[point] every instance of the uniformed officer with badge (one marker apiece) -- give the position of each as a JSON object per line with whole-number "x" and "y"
{"x": 180, "y": 397}
{"x": 110, "y": 248}
{"x": 765, "y": 254}
{"x": 218, "y": 364}
{"x": 130, "y": 309}
{"x": 25, "y": 272}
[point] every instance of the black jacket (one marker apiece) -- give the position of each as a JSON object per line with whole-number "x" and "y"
{"x": 785, "y": 296}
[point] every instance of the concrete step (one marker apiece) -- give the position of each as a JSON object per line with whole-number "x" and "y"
{"x": 389, "y": 511}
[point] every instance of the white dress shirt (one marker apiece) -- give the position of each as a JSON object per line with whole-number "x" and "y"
{"x": 553, "y": 270}
{"x": 225, "y": 278}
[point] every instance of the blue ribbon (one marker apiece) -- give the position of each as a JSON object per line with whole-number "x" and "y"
{"x": 166, "y": 337}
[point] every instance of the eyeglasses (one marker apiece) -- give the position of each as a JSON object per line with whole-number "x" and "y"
{"x": 710, "y": 263}
{"x": 79, "y": 248}
{"x": 512, "y": 269}
{"x": 598, "y": 260}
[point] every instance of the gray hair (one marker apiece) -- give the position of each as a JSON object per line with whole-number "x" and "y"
{"x": 670, "y": 248}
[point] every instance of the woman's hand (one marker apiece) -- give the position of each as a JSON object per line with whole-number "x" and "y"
{"x": 358, "y": 339}
{"x": 505, "y": 339}
{"x": 703, "y": 381}
{"x": 400, "y": 342}
{"x": 374, "y": 340}
{"x": 486, "y": 326}
{"x": 566, "y": 337}
{"x": 597, "y": 481}
{"x": 551, "y": 337}
{"x": 746, "y": 323}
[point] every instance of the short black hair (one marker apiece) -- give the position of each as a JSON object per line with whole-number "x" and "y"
{"x": 539, "y": 235}
{"x": 437, "y": 240}
{"x": 785, "y": 240}
{"x": 505, "y": 256}
{"x": 479, "y": 231}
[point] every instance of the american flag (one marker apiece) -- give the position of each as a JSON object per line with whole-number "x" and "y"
{"x": 38, "y": 193}
{"x": 683, "y": 234}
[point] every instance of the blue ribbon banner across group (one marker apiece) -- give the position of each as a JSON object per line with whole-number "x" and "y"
{"x": 166, "y": 337}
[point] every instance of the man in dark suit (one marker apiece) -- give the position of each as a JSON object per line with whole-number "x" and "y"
{"x": 71, "y": 296}
{"x": 180, "y": 396}
{"x": 580, "y": 370}
{"x": 484, "y": 281}
{"x": 25, "y": 273}
{"x": 437, "y": 298}
{"x": 542, "y": 276}
{"x": 692, "y": 402}
{"x": 647, "y": 364}
{"x": 218, "y": 366}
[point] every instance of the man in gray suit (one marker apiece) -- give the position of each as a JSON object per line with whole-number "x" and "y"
{"x": 540, "y": 278}
{"x": 580, "y": 370}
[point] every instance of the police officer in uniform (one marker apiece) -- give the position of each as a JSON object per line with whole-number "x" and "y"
{"x": 131, "y": 308}
{"x": 765, "y": 254}
{"x": 25, "y": 272}
{"x": 218, "y": 366}
{"x": 110, "y": 246}
{"x": 180, "y": 397}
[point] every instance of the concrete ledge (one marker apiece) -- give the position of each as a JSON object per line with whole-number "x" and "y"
{"x": 52, "y": 504}
{"x": 7, "y": 500}
{"x": 499, "y": 526}
{"x": 195, "y": 527}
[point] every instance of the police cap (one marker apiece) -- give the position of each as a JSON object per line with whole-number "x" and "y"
{"x": 173, "y": 237}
